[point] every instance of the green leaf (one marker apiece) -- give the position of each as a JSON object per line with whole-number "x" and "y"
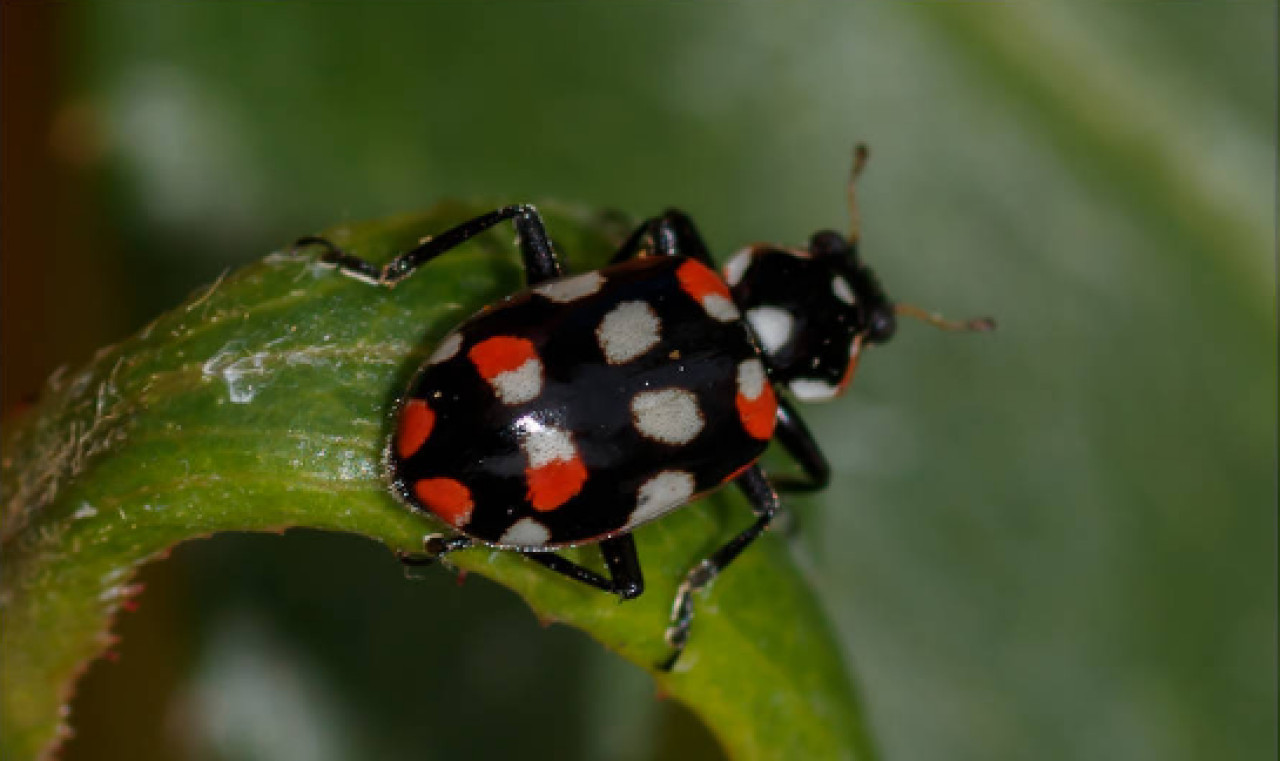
{"x": 261, "y": 404}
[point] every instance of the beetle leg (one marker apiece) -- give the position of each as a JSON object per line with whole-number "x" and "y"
{"x": 625, "y": 579}
{"x": 764, "y": 503}
{"x": 672, "y": 234}
{"x": 434, "y": 547}
{"x": 794, "y": 436}
{"x": 540, "y": 260}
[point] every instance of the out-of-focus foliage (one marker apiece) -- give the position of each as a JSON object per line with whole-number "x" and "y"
{"x": 1053, "y": 542}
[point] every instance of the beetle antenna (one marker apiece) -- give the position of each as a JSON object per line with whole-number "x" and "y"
{"x": 860, "y": 154}
{"x": 979, "y": 325}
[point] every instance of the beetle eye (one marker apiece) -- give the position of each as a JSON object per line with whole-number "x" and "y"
{"x": 828, "y": 243}
{"x": 882, "y": 324}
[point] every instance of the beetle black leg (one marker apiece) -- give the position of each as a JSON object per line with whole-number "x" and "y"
{"x": 434, "y": 547}
{"x": 625, "y": 579}
{"x": 540, "y": 261}
{"x": 672, "y": 234}
{"x": 764, "y": 503}
{"x": 794, "y": 436}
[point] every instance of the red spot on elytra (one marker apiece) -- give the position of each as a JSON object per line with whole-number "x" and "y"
{"x": 447, "y": 498}
{"x": 499, "y": 354}
{"x": 555, "y": 483}
{"x": 416, "y": 422}
{"x": 759, "y": 415}
{"x": 699, "y": 281}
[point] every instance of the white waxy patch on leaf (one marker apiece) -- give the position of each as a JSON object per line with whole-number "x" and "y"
{"x": 526, "y": 532}
{"x": 772, "y": 326}
{"x": 660, "y": 495}
{"x": 571, "y": 288}
{"x": 627, "y": 332}
{"x": 670, "y": 416}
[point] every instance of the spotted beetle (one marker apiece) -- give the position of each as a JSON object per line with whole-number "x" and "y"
{"x": 575, "y": 411}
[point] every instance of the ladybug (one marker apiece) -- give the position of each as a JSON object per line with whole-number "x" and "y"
{"x": 589, "y": 404}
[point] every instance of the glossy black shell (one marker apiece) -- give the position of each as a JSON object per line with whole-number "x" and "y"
{"x": 476, "y": 437}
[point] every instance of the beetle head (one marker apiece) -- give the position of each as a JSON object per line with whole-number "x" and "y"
{"x": 815, "y": 310}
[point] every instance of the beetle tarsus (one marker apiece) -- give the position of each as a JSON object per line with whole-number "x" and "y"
{"x": 434, "y": 548}
{"x": 760, "y": 493}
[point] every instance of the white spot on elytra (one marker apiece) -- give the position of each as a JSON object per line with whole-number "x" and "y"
{"x": 572, "y": 288}
{"x": 544, "y": 444}
{"x": 812, "y": 390}
{"x": 720, "y": 308}
{"x": 840, "y": 287}
{"x": 521, "y": 384}
{"x": 631, "y": 329}
{"x": 660, "y": 495}
{"x": 447, "y": 349}
{"x": 751, "y": 378}
{"x": 525, "y": 532}
{"x": 736, "y": 267}
{"x": 772, "y": 326}
{"x": 670, "y": 416}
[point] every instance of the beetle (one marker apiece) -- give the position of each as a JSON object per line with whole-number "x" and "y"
{"x": 587, "y": 405}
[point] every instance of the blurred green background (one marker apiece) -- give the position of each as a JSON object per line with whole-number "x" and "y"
{"x": 1055, "y": 542}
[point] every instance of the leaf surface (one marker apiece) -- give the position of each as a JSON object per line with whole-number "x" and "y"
{"x": 262, "y": 404}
